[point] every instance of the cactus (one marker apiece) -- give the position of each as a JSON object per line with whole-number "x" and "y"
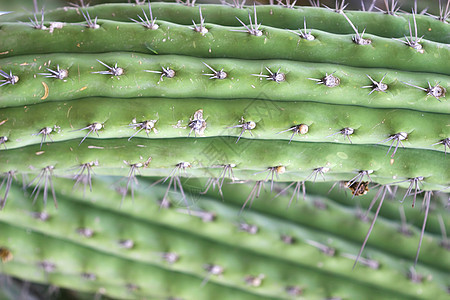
{"x": 93, "y": 98}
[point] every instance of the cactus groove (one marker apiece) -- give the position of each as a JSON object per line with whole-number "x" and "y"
{"x": 171, "y": 138}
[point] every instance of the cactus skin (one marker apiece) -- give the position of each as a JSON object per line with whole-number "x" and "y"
{"x": 299, "y": 158}
{"x": 205, "y": 128}
{"x": 424, "y": 129}
{"x": 190, "y": 81}
{"x": 171, "y": 38}
{"x": 273, "y": 16}
{"x": 154, "y": 231}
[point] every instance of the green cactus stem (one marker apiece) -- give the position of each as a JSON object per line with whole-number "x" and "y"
{"x": 168, "y": 118}
{"x": 274, "y": 43}
{"x": 376, "y": 23}
{"x": 248, "y": 155}
{"x": 75, "y": 76}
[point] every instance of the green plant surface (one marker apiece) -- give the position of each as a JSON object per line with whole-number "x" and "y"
{"x": 275, "y": 16}
{"x": 190, "y": 81}
{"x": 275, "y": 43}
{"x": 205, "y": 159}
{"x": 115, "y": 156}
{"x": 171, "y": 118}
{"x": 220, "y": 241}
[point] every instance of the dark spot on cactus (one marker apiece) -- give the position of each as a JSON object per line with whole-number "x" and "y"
{"x": 5, "y": 255}
{"x": 359, "y": 188}
{"x": 405, "y": 230}
{"x": 357, "y": 185}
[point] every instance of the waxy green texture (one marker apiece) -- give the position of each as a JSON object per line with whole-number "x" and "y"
{"x": 376, "y": 23}
{"x": 220, "y": 41}
{"x": 171, "y": 118}
{"x": 190, "y": 81}
{"x": 107, "y": 117}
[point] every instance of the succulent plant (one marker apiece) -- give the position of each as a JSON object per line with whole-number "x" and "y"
{"x": 255, "y": 106}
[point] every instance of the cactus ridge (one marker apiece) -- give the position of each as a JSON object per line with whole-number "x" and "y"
{"x": 271, "y": 15}
{"x": 342, "y": 159}
{"x": 80, "y": 75}
{"x": 171, "y": 38}
{"x": 168, "y": 118}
